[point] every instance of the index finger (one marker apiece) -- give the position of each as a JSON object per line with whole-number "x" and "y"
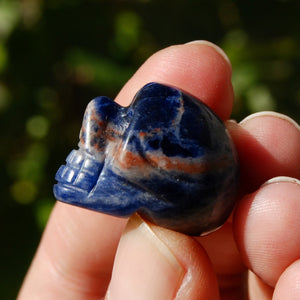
{"x": 199, "y": 68}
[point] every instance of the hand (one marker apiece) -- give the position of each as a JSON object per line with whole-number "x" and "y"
{"x": 88, "y": 255}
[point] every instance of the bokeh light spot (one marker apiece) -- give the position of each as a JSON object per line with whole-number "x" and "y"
{"x": 23, "y": 191}
{"x": 259, "y": 98}
{"x": 37, "y": 126}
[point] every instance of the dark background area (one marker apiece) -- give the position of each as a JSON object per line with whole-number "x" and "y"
{"x": 55, "y": 56}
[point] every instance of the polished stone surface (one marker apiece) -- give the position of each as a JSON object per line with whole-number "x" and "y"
{"x": 167, "y": 156}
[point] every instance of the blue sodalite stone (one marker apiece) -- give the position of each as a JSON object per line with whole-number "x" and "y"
{"x": 167, "y": 156}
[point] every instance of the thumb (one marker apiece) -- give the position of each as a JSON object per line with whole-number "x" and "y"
{"x": 157, "y": 263}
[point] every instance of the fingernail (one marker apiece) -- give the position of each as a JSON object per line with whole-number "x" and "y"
{"x": 282, "y": 179}
{"x": 145, "y": 268}
{"x": 231, "y": 123}
{"x": 214, "y": 46}
{"x": 271, "y": 114}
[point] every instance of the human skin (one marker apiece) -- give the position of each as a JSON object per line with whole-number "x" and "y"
{"x": 89, "y": 255}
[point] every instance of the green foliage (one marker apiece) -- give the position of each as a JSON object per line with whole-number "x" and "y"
{"x": 57, "y": 55}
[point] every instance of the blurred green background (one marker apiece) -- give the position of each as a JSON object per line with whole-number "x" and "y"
{"x": 57, "y": 55}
